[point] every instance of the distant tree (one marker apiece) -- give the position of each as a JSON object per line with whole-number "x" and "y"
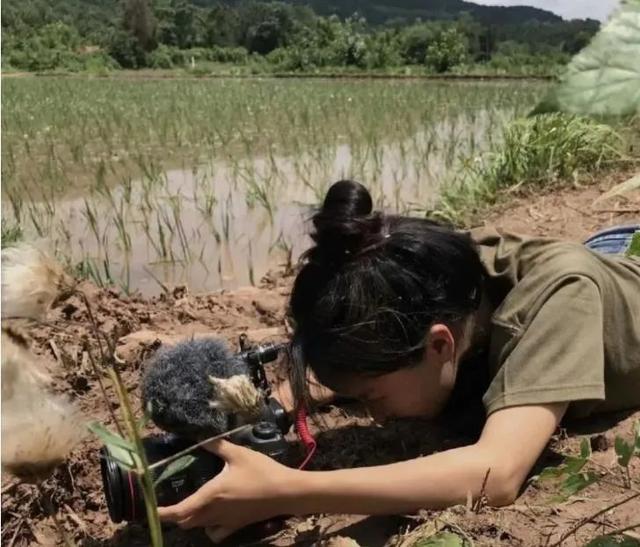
{"x": 185, "y": 23}
{"x": 267, "y": 26}
{"x": 415, "y": 40}
{"x": 448, "y": 50}
{"x": 140, "y": 22}
{"x": 574, "y": 42}
{"x": 126, "y": 50}
{"x": 222, "y": 27}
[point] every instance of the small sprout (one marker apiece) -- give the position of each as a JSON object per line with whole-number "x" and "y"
{"x": 237, "y": 395}
{"x": 32, "y": 281}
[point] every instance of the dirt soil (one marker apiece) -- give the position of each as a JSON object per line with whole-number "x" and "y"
{"x": 346, "y": 436}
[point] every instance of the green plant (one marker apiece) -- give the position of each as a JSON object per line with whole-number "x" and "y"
{"x": 576, "y": 473}
{"x": 634, "y": 247}
{"x": 152, "y": 171}
{"x": 446, "y": 51}
{"x": 604, "y": 78}
{"x": 11, "y": 233}
{"x": 535, "y": 153}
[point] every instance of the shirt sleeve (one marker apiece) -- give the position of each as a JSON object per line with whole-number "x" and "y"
{"x": 558, "y": 355}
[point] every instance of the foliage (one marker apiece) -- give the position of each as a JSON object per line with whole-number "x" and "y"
{"x": 535, "y": 152}
{"x": 634, "y": 248}
{"x": 139, "y": 21}
{"x": 446, "y": 51}
{"x": 110, "y": 141}
{"x": 613, "y": 541}
{"x": 284, "y": 36}
{"x": 11, "y": 233}
{"x": 571, "y": 476}
{"x": 126, "y": 50}
{"x": 604, "y": 78}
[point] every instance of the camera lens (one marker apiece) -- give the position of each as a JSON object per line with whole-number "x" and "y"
{"x": 122, "y": 488}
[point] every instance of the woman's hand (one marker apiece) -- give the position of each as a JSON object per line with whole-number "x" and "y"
{"x": 250, "y": 488}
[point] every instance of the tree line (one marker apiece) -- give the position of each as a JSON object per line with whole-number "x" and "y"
{"x": 40, "y": 35}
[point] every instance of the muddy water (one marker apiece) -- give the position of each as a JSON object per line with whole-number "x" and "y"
{"x": 223, "y": 224}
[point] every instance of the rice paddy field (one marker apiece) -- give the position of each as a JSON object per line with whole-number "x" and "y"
{"x": 208, "y": 182}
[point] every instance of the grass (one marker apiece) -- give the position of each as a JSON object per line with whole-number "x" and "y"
{"x": 178, "y": 177}
{"x": 536, "y": 153}
{"x": 11, "y": 233}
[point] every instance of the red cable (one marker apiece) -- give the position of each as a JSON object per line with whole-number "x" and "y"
{"x": 302, "y": 427}
{"x": 133, "y": 499}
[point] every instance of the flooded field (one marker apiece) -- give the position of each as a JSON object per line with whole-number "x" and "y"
{"x": 209, "y": 182}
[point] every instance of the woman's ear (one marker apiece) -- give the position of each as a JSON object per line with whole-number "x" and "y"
{"x": 440, "y": 344}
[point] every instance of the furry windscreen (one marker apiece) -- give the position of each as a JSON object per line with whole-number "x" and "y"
{"x": 177, "y": 392}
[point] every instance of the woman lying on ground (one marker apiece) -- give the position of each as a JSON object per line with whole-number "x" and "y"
{"x": 397, "y": 312}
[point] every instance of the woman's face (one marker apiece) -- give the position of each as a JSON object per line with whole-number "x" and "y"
{"x": 421, "y": 390}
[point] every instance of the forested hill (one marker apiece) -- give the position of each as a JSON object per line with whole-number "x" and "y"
{"x": 398, "y": 11}
{"x": 88, "y": 16}
{"x": 296, "y": 35}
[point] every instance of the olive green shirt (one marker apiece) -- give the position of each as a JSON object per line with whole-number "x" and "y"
{"x": 566, "y": 325}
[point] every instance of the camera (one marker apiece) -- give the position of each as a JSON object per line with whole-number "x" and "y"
{"x": 122, "y": 488}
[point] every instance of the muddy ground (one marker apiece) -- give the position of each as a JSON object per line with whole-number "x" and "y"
{"x": 346, "y": 436}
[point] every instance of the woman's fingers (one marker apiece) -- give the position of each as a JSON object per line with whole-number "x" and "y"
{"x": 223, "y": 448}
{"x": 218, "y": 533}
{"x": 181, "y": 511}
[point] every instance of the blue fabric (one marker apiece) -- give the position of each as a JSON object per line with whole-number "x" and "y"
{"x": 615, "y": 240}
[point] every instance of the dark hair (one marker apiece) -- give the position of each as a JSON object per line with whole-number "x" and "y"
{"x": 372, "y": 285}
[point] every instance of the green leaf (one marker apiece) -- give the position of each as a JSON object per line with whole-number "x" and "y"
{"x": 577, "y": 483}
{"x": 624, "y": 451}
{"x": 637, "y": 442}
{"x": 442, "y": 539}
{"x": 573, "y": 464}
{"x": 604, "y": 78}
{"x": 634, "y": 247}
{"x": 585, "y": 449}
{"x": 551, "y": 473}
{"x": 613, "y": 541}
{"x": 109, "y": 438}
{"x": 174, "y": 467}
{"x": 124, "y": 457}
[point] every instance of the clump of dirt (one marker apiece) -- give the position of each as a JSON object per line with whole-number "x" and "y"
{"x": 346, "y": 436}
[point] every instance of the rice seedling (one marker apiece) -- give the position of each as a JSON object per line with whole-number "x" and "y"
{"x": 106, "y": 158}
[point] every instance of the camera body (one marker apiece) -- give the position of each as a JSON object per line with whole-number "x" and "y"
{"x": 122, "y": 489}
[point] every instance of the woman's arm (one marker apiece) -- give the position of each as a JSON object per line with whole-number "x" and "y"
{"x": 511, "y": 442}
{"x": 253, "y": 487}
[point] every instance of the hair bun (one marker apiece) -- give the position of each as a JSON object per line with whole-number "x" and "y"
{"x": 347, "y": 199}
{"x": 344, "y": 224}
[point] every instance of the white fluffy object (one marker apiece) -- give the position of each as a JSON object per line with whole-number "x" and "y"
{"x": 39, "y": 431}
{"x": 31, "y": 282}
{"x": 237, "y": 395}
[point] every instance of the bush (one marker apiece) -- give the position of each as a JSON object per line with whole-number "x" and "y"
{"x": 235, "y": 55}
{"x": 448, "y": 50}
{"x": 292, "y": 59}
{"x": 161, "y": 57}
{"x": 542, "y": 149}
{"x": 536, "y": 152}
{"x": 126, "y": 50}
